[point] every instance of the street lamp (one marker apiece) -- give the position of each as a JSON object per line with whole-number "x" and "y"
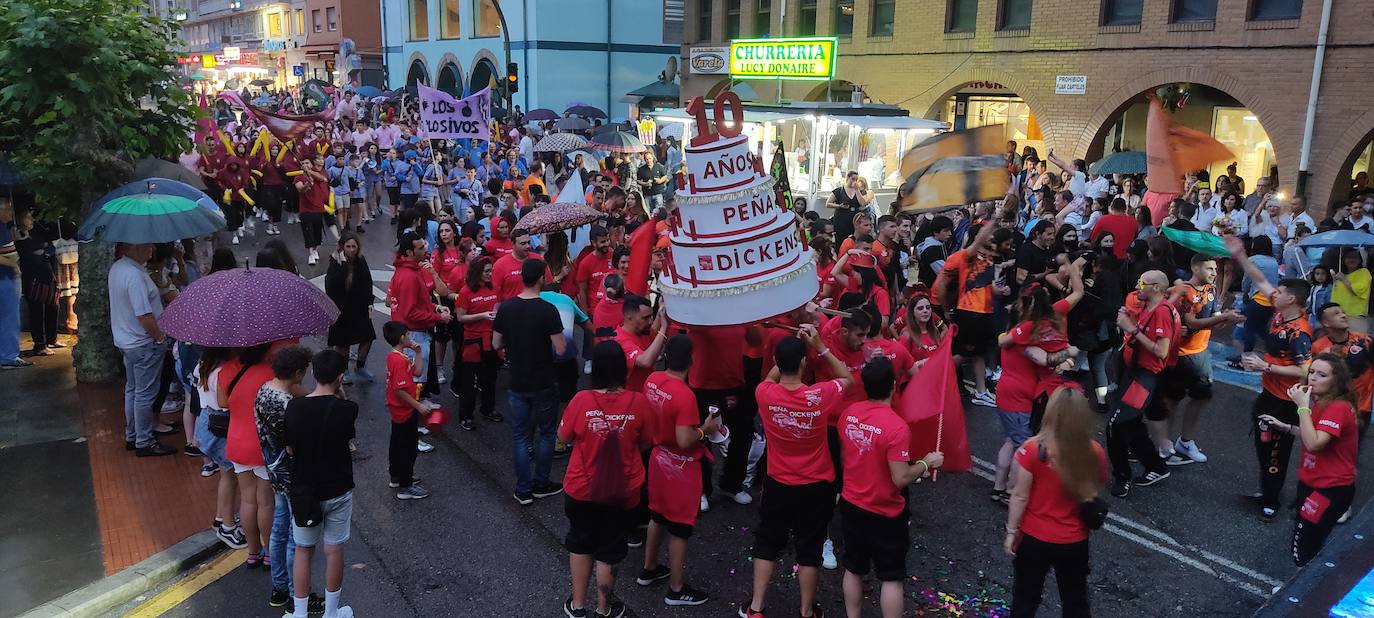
{"x": 236, "y": 5}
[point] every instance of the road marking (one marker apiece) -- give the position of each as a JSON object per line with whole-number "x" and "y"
{"x": 175, "y": 595}
{"x": 986, "y": 469}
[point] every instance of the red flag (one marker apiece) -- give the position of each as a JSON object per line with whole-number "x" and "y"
{"x": 641, "y": 257}
{"x": 284, "y": 127}
{"x": 931, "y": 406}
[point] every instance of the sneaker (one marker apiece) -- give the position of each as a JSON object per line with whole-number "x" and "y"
{"x": 467, "y": 425}
{"x": 312, "y": 260}
{"x": 546, "y": 489}
{"x": 279, "y": 598}
{"x": 348, "y": 377}
{"x": 209, "y": 470}
{"x": 587, "y": 367}
{"x": 233, "y": 537}
{"x": 688, "y": 596}
{"x": 568, "y": 610}
{"x": 156, "y": 450}
{"x": 616, "y": 610}
{"x": 423, "y": 447}
{"x": 1345, "y": 517}
{"x": 828, "y": 556}
{"x": 414, "y": 492}
{"x": 636, "y": 537}
{"x": 1121, "y": 489}
{"x": 1177, "y": 459}
{"x": 705, "y": 504}
{"x": 192, "y": 451}
{"x": 234, "y": 240}
{"x": 995, "y": 374}
{"x": 361, "y": 373}
{"x": 985, "y": 399}
{"x": 172, "y": 405}
{"x": 1000, "y": 496}
{"x": 649, "y": 577}
{"x": 413, "y": 480}
{"x": 424, "y": 431}
{"x": 746, "y": 612}
{"x": 443, "y": 379}
{"x": 1150, "y": 478}
{"x": 17, "y": 363}
{"x": 525, "y": 498}
{"x": 742, "y": 497}
{"x": 1190, "y": 450}
{"x": 1268, "y": 514}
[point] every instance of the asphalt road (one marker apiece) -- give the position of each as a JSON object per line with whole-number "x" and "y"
{"x": 1189, "y": 546}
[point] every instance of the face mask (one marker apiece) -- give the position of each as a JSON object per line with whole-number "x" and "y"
{"x": 1071, "y": 245}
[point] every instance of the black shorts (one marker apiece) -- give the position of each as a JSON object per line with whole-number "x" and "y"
{"x": 597, "y": 530}
{"x": 393, "y": 195}
{"x": 1190, "y": 377}
{"x": 681, "y": 531}
{"x": 977, "y": 332}
{"x": 801, "y": 512}
{"x": 871, "y": 539}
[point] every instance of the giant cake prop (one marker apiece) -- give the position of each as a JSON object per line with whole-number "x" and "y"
{"x": 736, "y": 254}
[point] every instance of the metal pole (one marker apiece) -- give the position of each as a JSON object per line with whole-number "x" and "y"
{"x": 505, "y": 39}
{"x": 1305, "y": 158}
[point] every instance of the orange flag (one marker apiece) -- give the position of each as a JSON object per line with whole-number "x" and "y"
{"x": 1171, "y": 152}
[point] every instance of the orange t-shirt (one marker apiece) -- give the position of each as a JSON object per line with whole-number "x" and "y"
{"x": 1355, "y": 350}
{"x": 975, "y": 277}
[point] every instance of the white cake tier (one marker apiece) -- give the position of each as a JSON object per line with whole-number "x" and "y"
{"x": 743, "y": 303}
{"x": 736, "y": 214}
{"x": 736, "y": 259}
{"x": 722, "y": 165}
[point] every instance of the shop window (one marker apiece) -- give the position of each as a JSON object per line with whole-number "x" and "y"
{"x": 844, "y": 18}
{"x": 1121, "y": 12}
{"x": 1195, "y": 10}
{"x": 883, "y": 18}
{"x": 1014, "y": 15}
{"x": 274, "y": 25}
{"x": 331, "y": 15}
{"x": 732, "y": 19}
{"x": 449, "y": 28}
{"x": 300, "y": 21}
{"x": 316, "y": 21}
{"x": 1240, "y": 131}
{"x": 806, "y": 18}
{"x": 961, "y": 16}
{"x": 488, "y": 18}
{"x": 419, "y": 20}
{"x": 763, "y": 17}
{"x": 1268, "y": 10}
{"x": 704, "y": 10}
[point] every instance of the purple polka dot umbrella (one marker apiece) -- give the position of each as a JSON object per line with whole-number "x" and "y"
{"x": 246, "y": 307}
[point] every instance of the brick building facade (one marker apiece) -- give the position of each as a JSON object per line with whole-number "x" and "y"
{"x": 1264, "y": 63}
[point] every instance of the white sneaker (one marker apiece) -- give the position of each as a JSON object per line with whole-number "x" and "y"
{"x": 995, "y": 374}
{"x": 234, "y": 240}
{"x": 172, "y": 405}
{"x": 828, "y": 556}
{"x": 424, "y": 431}
{"x": 705, "y": 504}
{"x": 587, "y": 367}
{"x": 743, "y": 497}
{"x": 312, "y": 260}
{"x": 1190, "y": 450}
{"x": 345, "y": 612}
{"x": 985, "y": 399}
{"x": 423, "y": 447}
{"x": 443, "y": 379}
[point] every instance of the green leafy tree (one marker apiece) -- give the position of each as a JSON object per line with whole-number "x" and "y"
{"x": 86, "y": 89}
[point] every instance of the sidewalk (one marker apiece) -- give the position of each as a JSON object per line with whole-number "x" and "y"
{"x": 85, "y": 507}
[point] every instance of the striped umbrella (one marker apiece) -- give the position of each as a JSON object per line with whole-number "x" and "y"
{"x": 561, "y": 142}
{"x": 618, "y": 141}
{"x": 154, "y": 210}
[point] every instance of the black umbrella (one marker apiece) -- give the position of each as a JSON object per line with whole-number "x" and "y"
{"x": 585, "y": 111}
{"x": 261, "y": 82}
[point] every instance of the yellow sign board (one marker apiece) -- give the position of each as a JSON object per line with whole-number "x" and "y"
{"x": 809, "y": 58}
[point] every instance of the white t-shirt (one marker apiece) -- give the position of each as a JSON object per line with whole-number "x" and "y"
{"x": 1290, "y": 222}
{"x": 132, "y": 294}
{"x": 208, "y": 397}
{"x": 1098, "y": 188}
{"x": 1078, "y": 185}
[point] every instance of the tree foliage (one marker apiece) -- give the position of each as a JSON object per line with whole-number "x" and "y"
{"x": 86, "y": 88}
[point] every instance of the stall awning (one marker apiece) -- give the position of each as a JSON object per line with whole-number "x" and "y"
{"x": 893, "y": 122}
{"x": 657, "y": 90}
{"x": 749, "y": 115}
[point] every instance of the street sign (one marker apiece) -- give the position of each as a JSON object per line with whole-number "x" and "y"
{"x": 807, "y": 58}
{"x": 298, "y": 70}
{"x": 1071, "y": 84}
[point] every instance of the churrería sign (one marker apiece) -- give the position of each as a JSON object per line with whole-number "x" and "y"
{"x": 810, "y": 58}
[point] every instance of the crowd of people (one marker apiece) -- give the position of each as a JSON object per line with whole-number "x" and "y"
{"x": 1063, "y": 299}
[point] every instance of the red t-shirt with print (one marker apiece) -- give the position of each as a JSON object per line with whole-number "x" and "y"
{"x": 871, "y": 436}
{"x": 674, "y": 473}
{"x": 1333, "y": 466}
{"x": 795, "y": 422}
{"x": 590, "y": 418}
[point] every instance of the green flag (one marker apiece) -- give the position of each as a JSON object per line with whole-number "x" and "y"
{"x": 781, "y": 186}
{"x": 1204, "y": 243}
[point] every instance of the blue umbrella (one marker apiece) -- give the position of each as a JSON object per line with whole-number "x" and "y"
{"x": 152, "y": 211}
{"x": 1128, "y": 162}
{"x": 1338, "y": 238}
{"x": 368, "y": 91}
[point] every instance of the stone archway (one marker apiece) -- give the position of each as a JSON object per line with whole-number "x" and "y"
{"x": 418, "y": 71}
{"x": 934, "y": 106}
{"x": 1339, "y": 162}
{"x": 484, "y": 72}
{"x": 450, "y": 79}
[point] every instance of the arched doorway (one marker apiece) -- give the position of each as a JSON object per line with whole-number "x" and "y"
{"x": 1205, "y": 109}
{"x": 450, "y": 80}
{"x": 983, "y": 103}
{"x": 835, "y": 90}
{"x": 417, "y": 74}
{"x": 483, "y": 75}
{"x": 1353, "y": 179}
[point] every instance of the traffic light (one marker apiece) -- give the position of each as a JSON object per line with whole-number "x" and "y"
{"x": 512, "y": 78}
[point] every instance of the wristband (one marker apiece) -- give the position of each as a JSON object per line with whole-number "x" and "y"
{"x": 922, "y": 461}
{"x": 824, "y": 352}
{"x": 1304, "y": 410}
{"x": 701, "y": 435}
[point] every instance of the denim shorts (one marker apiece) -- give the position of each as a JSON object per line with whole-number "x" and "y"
{"x": 1016, "y": 425}
{"x": 338, "y": 516}
{"x": 210, "y": 444}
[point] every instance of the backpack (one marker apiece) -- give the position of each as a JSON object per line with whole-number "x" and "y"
{"x": 608, "y": 468}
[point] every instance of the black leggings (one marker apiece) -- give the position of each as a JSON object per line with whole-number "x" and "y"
{"x": 312, "y": 228}
{"x": 1273, "y": 448}
{"x": 1326, "y": 506}
{"x": 1033, "y": 561}
{"x": 272, "y": 198}
{"x": 42, "y": 313}
{"x": 402, "y": 451}
{"x": 472, "y": 380}
{"x": 233, "y": 214}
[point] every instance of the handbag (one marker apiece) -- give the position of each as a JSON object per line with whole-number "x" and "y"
{"x": 219, "y": 423}
{"x": 1093, "y": 512}
{"x": 306, "y": 509}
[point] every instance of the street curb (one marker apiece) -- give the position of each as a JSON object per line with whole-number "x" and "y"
{"x": 124, "y": 586}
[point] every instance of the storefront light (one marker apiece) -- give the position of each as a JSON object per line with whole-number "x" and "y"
{"x": 1250, "y": 118}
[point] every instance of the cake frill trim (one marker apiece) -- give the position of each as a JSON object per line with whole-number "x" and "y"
{"x": 799, "y": 271}
{"x": 692, "y": 200}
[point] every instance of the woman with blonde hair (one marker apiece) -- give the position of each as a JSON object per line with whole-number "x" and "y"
{"x": 1054, "y": 505}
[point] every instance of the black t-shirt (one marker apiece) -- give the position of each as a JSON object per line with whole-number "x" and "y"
{"x": 526, "y": 326}
{"x": 935, "y": 252}
{"x": 1032, "y": 259}
{"x": 319, "y": 446}
{"x": 843, "y": 199}
{"x": 647, "y": 173}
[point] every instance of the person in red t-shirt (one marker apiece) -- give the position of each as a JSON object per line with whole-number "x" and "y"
{"x": 877, "y": 468}
{"x": 476, "y": 365}
{"x": 1060, "y": 469}
{"x": 610, "y": 310}
{"x": 718, "y": 381}
{"x": 799, "y": 493}
{"x": 1330, "y": 443}
{"x": 592, "y": 268}
{"x": 675, "y": 477}
{"x": 607, "y": 426}
{"x": 505, "y": 276}
{"x": 1121, "y": 226}
{"x": 403, "y": 402}
{"x": 641, "y": 336}
{"x": 1147, "y": 342}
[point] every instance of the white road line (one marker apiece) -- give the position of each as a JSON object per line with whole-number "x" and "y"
{"x": 985, "y": 469}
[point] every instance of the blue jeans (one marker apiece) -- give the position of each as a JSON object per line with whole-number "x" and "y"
{"x": 282, "y": 546}
{"x": 9, "y": 319}
{"x": 424, "y": 340}
{"x": 540, "y": 408}
{"x": 142, "y": 376}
